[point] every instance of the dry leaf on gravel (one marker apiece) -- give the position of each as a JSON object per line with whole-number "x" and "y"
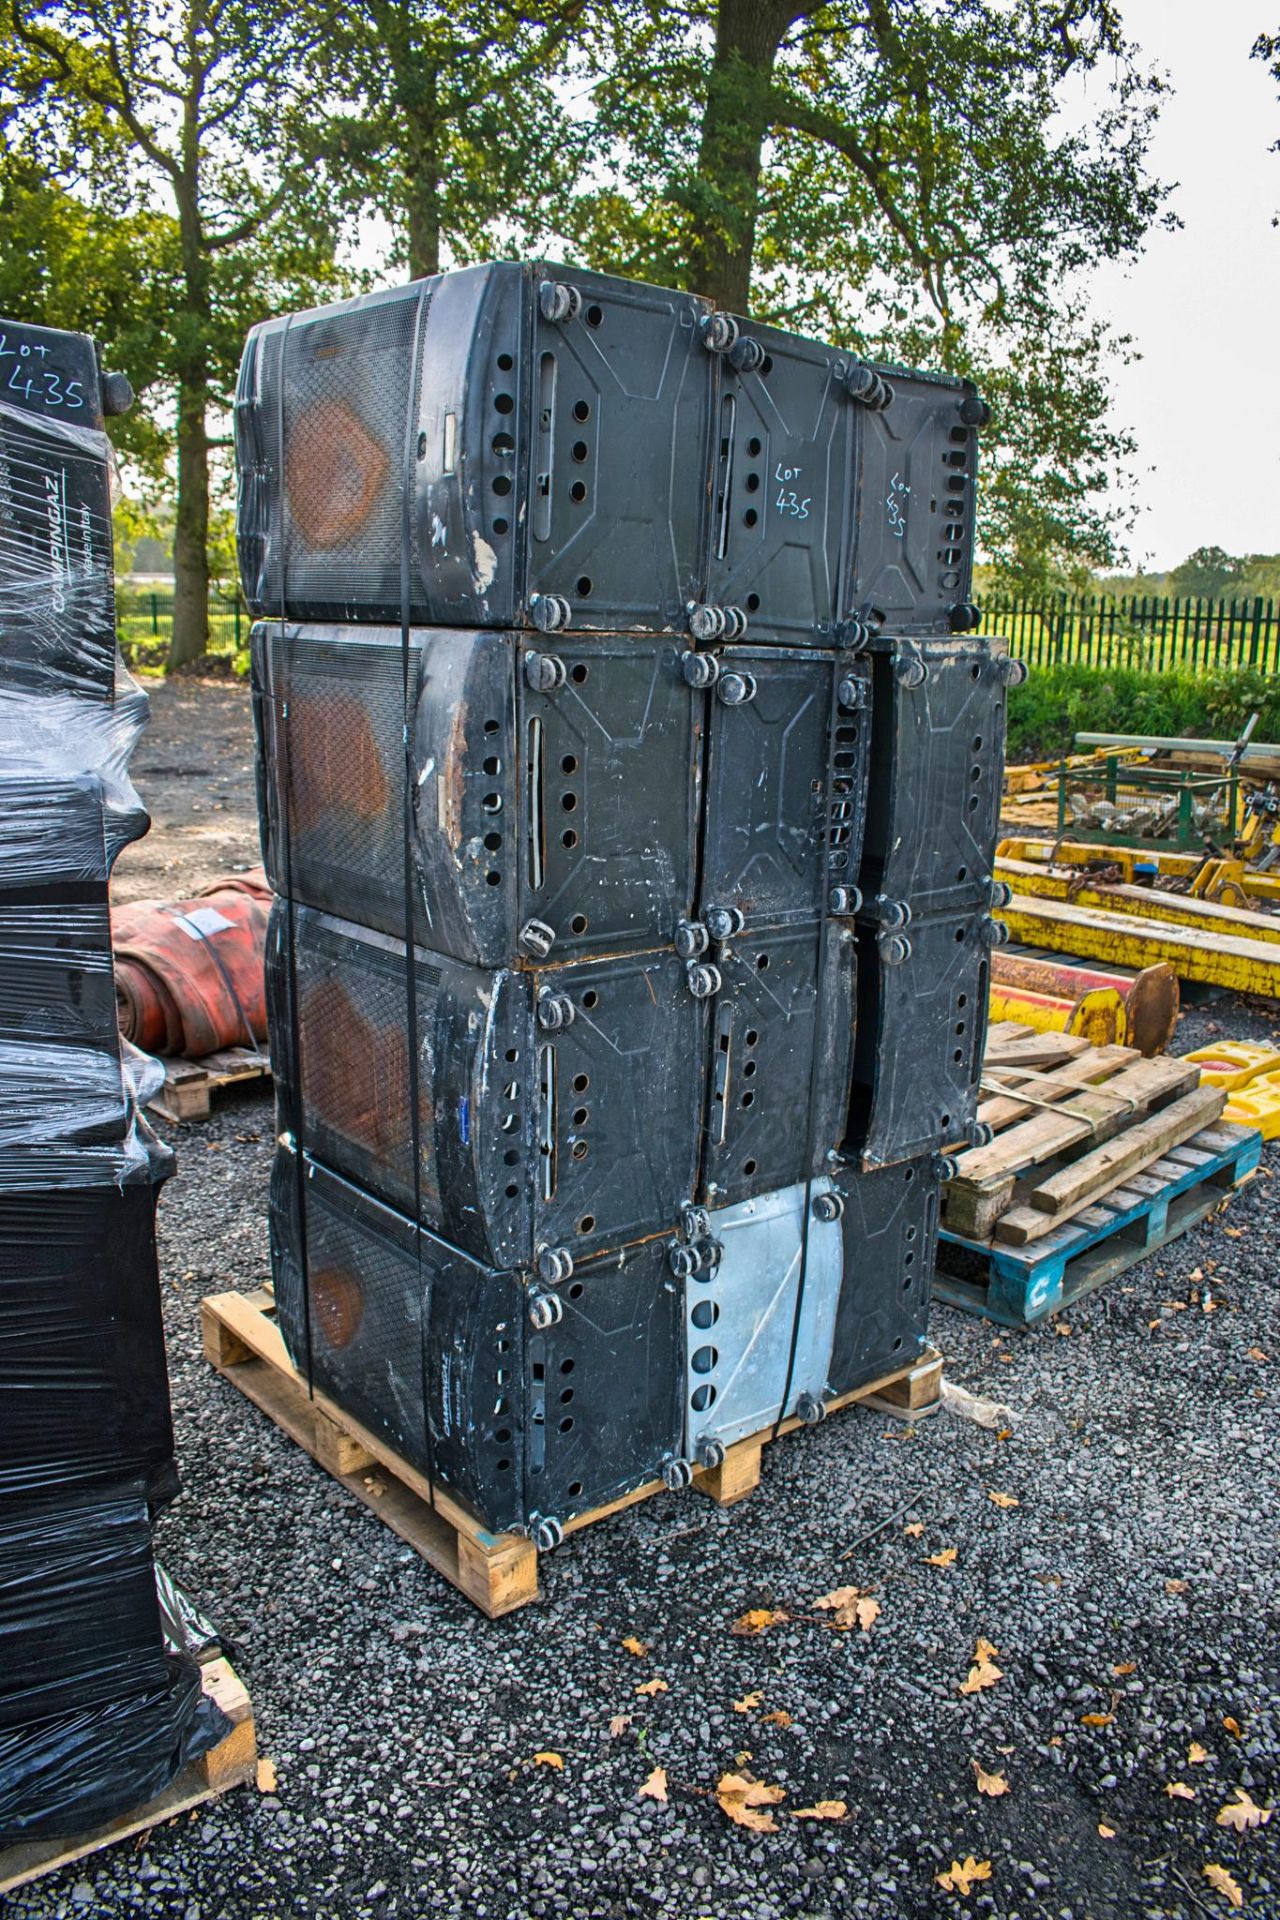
{"x": 1232, "y": 1726}
{"x": 944, "y": 1559}
{"x": 655, "y": 1787}
{"x": 1256, "y": 1353}
{"x": 549, "y": 1759}
{"x": 747, "y": 1702}
{"x": 618, "y": 1725}
{"x": 821, "y": 1810}
{"x": 1176, "y": 1586}
{"x": 850, "y": 1607}
{"x": 914, "y": 1529}
{"x": 1124, "y": 1668}
{"x": 1179, "y": 1790}
{"x": 1242, "y": 1813}
{"x": 1106, "y": 1832}
{"x": 1096, "y": 1719}
{"x": 266, "y": 1775}
{"x": 993, "y": 1784}
{"x": 653, "y": 1686}
{"x": 1196, "y": 1754}
{"x": 743, "y": 1799}
{"x": 1005, "y": 1500}
{"x": 638, "y": 1647}
{"x": 778, "y": 1718}
{"x": 962, "y": 1874}
{"x": 984, "y": 1672}
{"x": 1219, "y": 1878}
{"x": 758, "y": 1620}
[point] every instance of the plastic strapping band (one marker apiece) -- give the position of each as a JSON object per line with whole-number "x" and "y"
{"x": 298, "y": 1116}
{"x": 407, "y": 824}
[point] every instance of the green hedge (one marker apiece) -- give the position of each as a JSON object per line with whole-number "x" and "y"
{"x": 1058, "y": 702}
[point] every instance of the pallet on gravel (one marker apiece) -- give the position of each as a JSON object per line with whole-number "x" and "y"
{"x": 229, "y": 1764}
{"x": 499, "y": 1572}
{"x": 190, "y": 1084}
{"x": 1018, "y": 1285}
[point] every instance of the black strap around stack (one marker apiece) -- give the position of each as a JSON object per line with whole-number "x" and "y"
{"x": 298, "y": 1116}
{"x": 407, "y": 835}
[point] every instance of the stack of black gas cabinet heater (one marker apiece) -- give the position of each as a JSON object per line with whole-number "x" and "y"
{"x": 630, "y": 790}
{"x": 98, "y": 1706}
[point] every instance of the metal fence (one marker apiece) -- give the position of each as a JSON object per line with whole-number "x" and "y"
{"x": 1149, "y": 632}
{"x": 144, "y": 619}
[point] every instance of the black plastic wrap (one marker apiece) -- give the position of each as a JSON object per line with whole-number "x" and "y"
{"x": 68, "y": 1774}
{"x": 83, "y": 1386}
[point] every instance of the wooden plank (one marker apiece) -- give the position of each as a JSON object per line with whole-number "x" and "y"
{"x": 232, "y": 1762}
{"x": 1136, "y": 1148}
{"x": 1000, "y": 1110}
{"x": 1039, "y": 1050}
{"x": 1089, "y": 1114}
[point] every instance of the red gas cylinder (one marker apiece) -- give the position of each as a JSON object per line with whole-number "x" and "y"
{"x": 189, "y": 973}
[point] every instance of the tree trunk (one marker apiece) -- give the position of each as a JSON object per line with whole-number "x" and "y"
{"x": 735, "y": 121}
{"x": 191, "y": 536}
{"x": 422, "y": 169}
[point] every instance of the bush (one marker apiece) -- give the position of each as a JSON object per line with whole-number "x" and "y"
{"x": 1058, "y": 702}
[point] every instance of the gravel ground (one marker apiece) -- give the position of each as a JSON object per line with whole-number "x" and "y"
{"x": 1135, "y": 1578}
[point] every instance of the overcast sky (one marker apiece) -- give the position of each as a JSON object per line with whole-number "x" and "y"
{"x": 1203, "y": 304}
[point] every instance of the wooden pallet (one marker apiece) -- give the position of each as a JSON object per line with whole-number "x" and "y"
{"x": 229, "y": 1764}
{"x": 1018, "y": 1285}
{"x": 499, "y": 1572}
{"x": 190, "y": 1084}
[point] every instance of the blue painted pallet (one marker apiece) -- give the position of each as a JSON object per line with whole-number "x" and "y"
{"x": 1020, "y": 1285}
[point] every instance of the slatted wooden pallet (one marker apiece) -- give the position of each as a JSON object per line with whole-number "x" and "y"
{"x": 499, "y": 1572}
{"x": 1020, "y": 1285}
{"x": 229, "y": 1764}
{"x": 190, "y": 1084}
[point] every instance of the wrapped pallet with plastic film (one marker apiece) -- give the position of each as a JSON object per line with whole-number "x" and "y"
{"x": 99, "y": 1706}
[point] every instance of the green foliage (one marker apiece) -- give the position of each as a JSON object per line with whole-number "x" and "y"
{"x": 1056, "y": 703}
{"x": 901, "y": 179}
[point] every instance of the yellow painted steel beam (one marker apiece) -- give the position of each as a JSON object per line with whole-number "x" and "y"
{"x": 1223, "y": 960}
{"x": 1218, "y": 871}
{"x": 1099, "y": 1013}
{"x": 1143, "y": 903}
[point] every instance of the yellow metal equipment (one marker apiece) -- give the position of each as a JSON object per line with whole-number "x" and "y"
{"x": 1143, "y": 903}
{"x": 1098, "y": 1013}
{"x": 1206, "y": 876}
{"x": 1234, "y": 1063}
{"x": 1242, "y": 964}
{"x": 1257, "y": 1104}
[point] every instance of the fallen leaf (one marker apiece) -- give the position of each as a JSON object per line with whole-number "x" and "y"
{"x": 655, "y": 1787}
{"x": 1232, "y": 1726}
{"x": 1002, "y": 1499}
{"x": 1176, "y": 1586}
{"x": 758, "y": 1620}
{"x": 549, "y": 1760}
{"x": 993, "y": 1784}
{"x": 914, "y": 1529}
{"x": 836, "y": 1601}
{"x": 1256, "y": 1353}
{"x": 1004, "y": 1433}
{"x": 1107, "y": 1833}
{"x": 983, "y": 1672}
{"x": 747, "y": 1702}
{"x": 266, "y": 1775}
{"x": 963, "y": 1874}
{"x": 1221, "y": 1880}
{"x": 1061, "y": 1326}
{"x": 375, "y": 1488}
{"x": 1096, "y": 1719}
{"x": 653, "y": 1686}
{"x": 1124, "y": 1668}
{"x": 618, "y": 1725}
{"x": 821, "y": 1810}
{"x": 944, "y": 1559}
{"x": 1196, "y": 1754}
{"x": 1242, "y": 1813}
{"x": 851, "y": 1607}
{"x": 778, "y": 1718}
{"x": 1233, "y": 1233}
{"x": 638, "y": 1647}
{"x": 741, "y": 1799}
{"x": 1179, "y": 1790}
{"x": 868, "y": 1612}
